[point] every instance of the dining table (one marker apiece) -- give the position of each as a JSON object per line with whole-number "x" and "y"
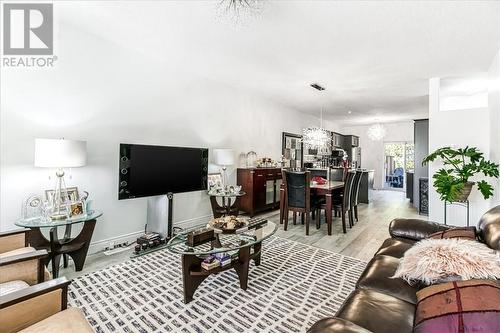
{"x": 328, "y": 189}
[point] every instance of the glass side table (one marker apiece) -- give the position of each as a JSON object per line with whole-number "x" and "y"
{"x": 76, "y": 247}
{"x": 243, "y": 247}
{"x": 228, "y": 206}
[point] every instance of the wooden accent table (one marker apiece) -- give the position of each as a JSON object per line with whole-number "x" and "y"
{"x": 76, "y": 248}
{"x": 243, "y": 247}
{"x": 228, "y": 207}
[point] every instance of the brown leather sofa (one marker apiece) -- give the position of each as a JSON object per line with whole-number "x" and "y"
{"x": 380, "y": 304}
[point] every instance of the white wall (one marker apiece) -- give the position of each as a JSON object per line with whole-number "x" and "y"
{"x": 494, "y": 108}
{"x": 105, "y": 94}
{"x": 372, "y": 152}
{"x": 458, "y": 128}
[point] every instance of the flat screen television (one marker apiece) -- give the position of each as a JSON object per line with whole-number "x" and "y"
{"x": 156, "y": 170}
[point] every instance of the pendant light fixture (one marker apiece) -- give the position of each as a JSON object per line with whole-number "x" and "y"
{"x": 317, "y": 137}
{"x": 376, "y": 132}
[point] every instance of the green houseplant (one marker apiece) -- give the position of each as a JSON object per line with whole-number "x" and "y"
{"x": 452, "y": 181}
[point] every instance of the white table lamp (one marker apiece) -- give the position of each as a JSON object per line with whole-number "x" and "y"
{"x": 59, "y": 154}
{"x": 224, "y": 158}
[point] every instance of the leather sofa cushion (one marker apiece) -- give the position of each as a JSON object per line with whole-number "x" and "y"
{"x": 460, "y": 233}
{"x": 489, "y": 228}
{"x": 336, "y": 325}
{"x": 11, "y": 286}
{"x": 378, "y": 312}
{"x": 69, "y": 320}
{"x": 377, "y": 276}
{"x": 414, "y": 229}
{"x": 394, "y": 248}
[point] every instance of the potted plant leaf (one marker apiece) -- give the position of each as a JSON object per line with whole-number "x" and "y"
{"x": 452, "y": 181}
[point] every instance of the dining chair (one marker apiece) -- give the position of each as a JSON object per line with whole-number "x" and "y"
{"x": 342, "y": 204}
{"x": 354, "y": 196}
{"x": 297, "y": 196}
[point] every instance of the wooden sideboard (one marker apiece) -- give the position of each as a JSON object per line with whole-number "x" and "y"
{"x": 262, "y": 186}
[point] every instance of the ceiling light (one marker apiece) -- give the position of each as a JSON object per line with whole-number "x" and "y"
{"x": 317, "y": 137}
{"x": 349, "y": 111}
{"x": 376, "y": 132}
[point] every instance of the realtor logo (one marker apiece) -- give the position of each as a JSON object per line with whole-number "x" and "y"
{"x": 28, "y": 29}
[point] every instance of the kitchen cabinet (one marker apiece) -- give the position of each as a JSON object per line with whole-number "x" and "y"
{"x": 337, "y": 140}
{"x": 262, "y": 187}
{"x": 351, "y": 141}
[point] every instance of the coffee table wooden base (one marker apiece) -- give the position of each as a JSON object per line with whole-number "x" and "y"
{"x": 193, "y": 274}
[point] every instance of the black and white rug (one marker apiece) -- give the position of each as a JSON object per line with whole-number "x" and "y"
{"x": 295, "y": 285}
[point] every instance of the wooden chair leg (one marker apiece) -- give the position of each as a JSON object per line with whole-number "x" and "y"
{"x": 307, "y": 225}
{"x": 314, "y": 214}
{"x": 344, "y": 227}
{"x": 351, "y": 219}
{"x": 318, "y": 220}
{"x": 356, "y": 212}
{"x": 302, "y": 216}
{"x": 286, "y": 220}
{"x": 294, "y": 218}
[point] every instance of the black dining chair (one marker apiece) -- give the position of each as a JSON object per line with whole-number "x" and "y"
{"x": 354, "y": 195}
{"x": 297, "y": 196}
{"x": 342, "y": 204}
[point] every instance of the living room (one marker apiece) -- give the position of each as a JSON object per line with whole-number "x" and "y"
{"x": 222, "y": 166}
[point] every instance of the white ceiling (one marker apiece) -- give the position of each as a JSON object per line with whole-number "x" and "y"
{"x": 374, "y": 57}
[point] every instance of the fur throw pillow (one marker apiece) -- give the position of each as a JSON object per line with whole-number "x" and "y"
{"x": 437, "y": 260}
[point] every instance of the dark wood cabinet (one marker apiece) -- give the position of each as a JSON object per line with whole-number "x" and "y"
{"x": 262, "y": 187}
{"x": 351, "y": 141}
{"x": 337, "y": 140}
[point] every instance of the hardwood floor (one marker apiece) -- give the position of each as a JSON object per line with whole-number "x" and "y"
{"x": 362, "y": 241}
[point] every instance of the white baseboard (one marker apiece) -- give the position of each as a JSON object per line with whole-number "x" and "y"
{"x": 100, "y": 245}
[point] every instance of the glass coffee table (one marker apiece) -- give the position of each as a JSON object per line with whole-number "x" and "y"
{"x": 242, "y": 246}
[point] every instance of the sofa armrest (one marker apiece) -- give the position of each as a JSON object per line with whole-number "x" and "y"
{"x": 414, "y": 229}
{"x": 336, "y": 325}
{"x": 27, "y": 267}
{"x": 13, "y": 239}
{"x": 30, "y": 305}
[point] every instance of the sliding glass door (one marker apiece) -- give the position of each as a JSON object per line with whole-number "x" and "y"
{"x": 398, "y": 159}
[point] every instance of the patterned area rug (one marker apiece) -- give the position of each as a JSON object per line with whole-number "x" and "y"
{"x": 294, "y": 286}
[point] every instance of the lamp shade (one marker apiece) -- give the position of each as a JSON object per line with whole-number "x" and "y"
{"x": 60, "y": 153}
{"x": 224, "y": 157}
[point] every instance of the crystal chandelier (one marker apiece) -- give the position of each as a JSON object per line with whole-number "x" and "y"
{"x": 317, "y": 137}
{"x": 239, "y": 12}
{"x": 376, "y": 132}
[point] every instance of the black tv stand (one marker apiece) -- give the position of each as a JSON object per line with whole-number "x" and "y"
{"x": 170, "y": 197}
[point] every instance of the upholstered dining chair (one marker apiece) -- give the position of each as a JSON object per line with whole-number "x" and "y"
{"x": 297, "y": 196}
{"x": 354, "y": 195}
{"x": 342, "y": 204}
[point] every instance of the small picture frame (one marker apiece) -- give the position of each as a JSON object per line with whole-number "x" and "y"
{"x": 71, "y": 191}
{"x": 76, "y": 208}
{"x": 214, "y": 180}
